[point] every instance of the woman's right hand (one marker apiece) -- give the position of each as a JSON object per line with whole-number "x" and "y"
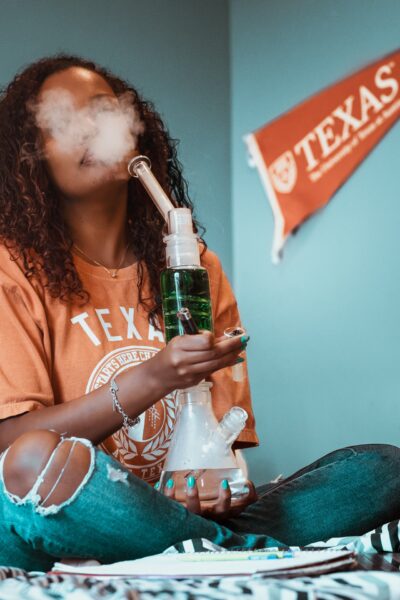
{"x": 188, "y": 359}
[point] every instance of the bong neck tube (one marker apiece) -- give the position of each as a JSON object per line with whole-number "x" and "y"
{"x": 140, "y": 167}
{"x": 182, "y": 246}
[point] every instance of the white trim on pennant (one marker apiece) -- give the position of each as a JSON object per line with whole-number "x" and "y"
{"x": 279, "y": 239}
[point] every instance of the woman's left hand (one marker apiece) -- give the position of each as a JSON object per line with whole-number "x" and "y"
{"x": 223, "y": 508}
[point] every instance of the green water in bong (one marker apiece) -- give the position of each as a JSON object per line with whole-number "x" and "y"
{"x": 187, "y": 287}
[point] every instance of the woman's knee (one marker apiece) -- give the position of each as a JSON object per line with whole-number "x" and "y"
{"x": 47, "y": 466}
{"x": 384, "y": 451}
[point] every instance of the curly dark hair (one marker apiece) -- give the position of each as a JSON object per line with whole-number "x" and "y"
{"x": 31, "y": 223}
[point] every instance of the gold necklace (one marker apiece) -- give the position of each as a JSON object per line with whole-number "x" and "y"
{"x": 112, "y": 272}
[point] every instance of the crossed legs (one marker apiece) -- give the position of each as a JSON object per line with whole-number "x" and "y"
{"x": 63, "y": 498}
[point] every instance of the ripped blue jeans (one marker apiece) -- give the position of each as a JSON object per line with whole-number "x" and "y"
{"x": 115, "y": 516}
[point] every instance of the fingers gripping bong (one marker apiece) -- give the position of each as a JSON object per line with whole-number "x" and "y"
{"x": 190, "y": 358}
{"x": 223, "y": 508}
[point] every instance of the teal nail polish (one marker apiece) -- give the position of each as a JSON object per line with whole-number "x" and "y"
{"x": 225, "y": 484}
{"x": 239, "y": 360}
{"x": 191, "y": 482}
{"x": 244, "y": 339}
{"x": 157, "y": 485}
{"x": 170, "y": 483}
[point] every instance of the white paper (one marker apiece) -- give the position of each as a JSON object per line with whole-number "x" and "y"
{"x": 209, "y": 564}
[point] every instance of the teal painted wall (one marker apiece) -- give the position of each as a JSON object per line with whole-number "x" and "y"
{"x": 325, "y": 324}
{"x": 170, "y": 50}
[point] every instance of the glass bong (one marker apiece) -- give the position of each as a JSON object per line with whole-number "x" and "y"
{"x": 201, "y": 446}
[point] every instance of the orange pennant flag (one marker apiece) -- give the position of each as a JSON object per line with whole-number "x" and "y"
{"x": 305, "y": 155}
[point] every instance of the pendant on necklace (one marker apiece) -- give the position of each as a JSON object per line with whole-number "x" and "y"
{"x": 114, "y": 273}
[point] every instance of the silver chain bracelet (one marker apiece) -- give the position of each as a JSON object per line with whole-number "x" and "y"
{"x": 128, "y": 422}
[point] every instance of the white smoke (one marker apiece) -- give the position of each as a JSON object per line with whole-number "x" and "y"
{"x": 104, "y": 132}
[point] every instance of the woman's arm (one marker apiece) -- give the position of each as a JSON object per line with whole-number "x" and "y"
{"x": 184, "y": 362}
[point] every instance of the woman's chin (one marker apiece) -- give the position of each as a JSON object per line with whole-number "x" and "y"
{"x": 102, "y": 173}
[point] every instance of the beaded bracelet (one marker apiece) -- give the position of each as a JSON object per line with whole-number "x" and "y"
{"x": 128, "y": 422}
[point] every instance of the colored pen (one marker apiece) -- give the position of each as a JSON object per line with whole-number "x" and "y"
{"x": 272, "y": 556}
{"x": 234, "y": 556}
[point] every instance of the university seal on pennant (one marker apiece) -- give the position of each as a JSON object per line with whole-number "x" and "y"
{"x": 283, "y": 173}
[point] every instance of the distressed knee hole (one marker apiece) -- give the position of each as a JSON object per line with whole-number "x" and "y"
{"x": 51, "y": 474}
{"x": 114, "y": 474}
{"x": 65, "y": 472}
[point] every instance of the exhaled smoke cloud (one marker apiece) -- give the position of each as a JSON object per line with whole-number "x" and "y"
{"x": 104, "y": 132}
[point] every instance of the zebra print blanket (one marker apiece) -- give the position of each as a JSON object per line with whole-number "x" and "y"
{"x": 16, "y": 584}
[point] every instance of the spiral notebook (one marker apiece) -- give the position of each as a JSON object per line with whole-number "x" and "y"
{"x": 209, "y": 564}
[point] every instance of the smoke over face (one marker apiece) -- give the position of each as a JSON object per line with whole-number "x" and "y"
{"x": 104, "y": 131}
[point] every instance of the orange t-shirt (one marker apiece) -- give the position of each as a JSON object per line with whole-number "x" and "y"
{"x": 52, "y": 352}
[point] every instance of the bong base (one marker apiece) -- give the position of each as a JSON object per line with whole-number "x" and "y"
{"x": 208, "y": 483}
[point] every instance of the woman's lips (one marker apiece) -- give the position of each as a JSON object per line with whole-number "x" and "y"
{"x": 87, "y": 160}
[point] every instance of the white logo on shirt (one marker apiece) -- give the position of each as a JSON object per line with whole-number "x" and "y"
{"x": 141, "y": 448}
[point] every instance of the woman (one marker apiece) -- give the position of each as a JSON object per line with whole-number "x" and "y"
{"x": 80, "y": 261}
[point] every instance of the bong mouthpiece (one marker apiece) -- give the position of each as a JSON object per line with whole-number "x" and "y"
{"x": 140, "y": 167}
